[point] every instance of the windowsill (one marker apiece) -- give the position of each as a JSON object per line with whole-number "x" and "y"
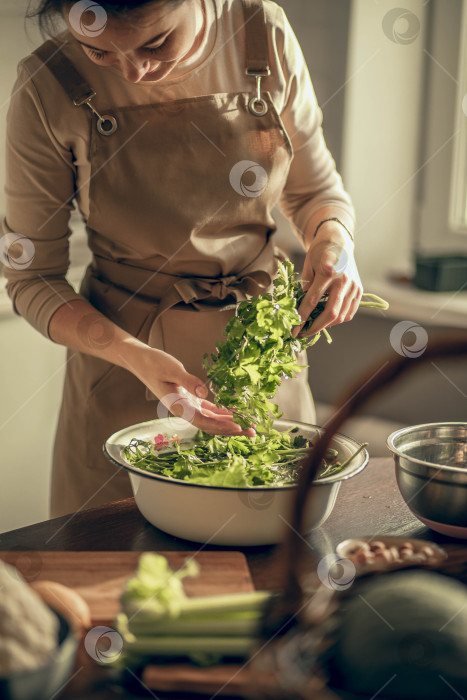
{"x": 406, "y": 302}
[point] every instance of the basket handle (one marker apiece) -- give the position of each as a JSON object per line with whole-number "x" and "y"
{"x": 355, "y": 398}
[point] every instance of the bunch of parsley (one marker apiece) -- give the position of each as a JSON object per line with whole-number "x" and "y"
{"x": 259, "y": 352}
{"x": 236, "y": 461}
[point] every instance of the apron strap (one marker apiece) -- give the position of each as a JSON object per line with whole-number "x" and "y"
{"x": 257, "y": 52}
{"x": 75, "y": 86}
{"x": 257, "y": 49}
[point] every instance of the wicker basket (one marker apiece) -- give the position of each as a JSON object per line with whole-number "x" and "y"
{"x": 293, "y": 660}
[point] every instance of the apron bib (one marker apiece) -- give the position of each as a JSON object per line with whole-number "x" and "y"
{"x": 175, "y": 203}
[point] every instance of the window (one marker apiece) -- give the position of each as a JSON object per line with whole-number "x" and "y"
{"x": 442, "y": 185}
{"x": 458, "y": 198}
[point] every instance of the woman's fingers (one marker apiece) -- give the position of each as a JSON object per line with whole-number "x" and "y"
{"x": 323, "y": 265}
{"x": 184, "y": 395}
{"x": 203, "y": 414}
{"x": 334, "y": 310}
{"x": 310, "y": 301}
{"x": 215, "y": 426}
{"x": 341, "y": 306}
{"x": 219, "y": 410}
{"x": 170, "y": 374}
{"x": 219, "y": 421}
{"x": 191, "y": 383}
{"x": 214, "y": 422}
{"x": 354, "y": 304}
{"x": 334, "y": 273}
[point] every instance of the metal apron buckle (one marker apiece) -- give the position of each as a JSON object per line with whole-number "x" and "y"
{"x": 257, "y": 105}
{"x": 102, "y": 120}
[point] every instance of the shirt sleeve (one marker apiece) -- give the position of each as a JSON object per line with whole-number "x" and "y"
{"x": 313, "y": 180}
{"x": 40, "y": 185}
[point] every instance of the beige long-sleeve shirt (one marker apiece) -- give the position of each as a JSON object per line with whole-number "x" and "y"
{"x": 48, "y": 154}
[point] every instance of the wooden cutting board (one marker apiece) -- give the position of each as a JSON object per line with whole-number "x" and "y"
{"x": 99, "y": 577}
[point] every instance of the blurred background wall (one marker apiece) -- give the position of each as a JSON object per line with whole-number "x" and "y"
{"x": 386, "y": 81}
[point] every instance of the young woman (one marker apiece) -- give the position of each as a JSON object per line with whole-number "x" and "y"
{"x": 175, "y": 127}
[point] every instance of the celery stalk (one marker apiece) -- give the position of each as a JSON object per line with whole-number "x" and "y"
{"x": 138, "y": 609}
{"x": 197, "y": 626}
{"x": 158, "y": 619}
{"x": 188, "y": 646}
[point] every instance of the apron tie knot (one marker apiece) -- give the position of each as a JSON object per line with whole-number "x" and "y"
{"x": 193, "y": 289}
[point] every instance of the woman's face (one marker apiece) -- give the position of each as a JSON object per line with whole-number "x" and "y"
{"x": 146, "y": 44}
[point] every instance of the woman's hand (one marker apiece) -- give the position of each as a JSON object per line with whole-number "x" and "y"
{"x": 330, "y": 268}
{"x": 183, "y": 394}
{"x": 79, "y": 326}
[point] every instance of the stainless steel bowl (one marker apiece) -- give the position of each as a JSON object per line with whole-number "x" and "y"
{"x": 431, "y": 471}
{"x": 223, "y": 515}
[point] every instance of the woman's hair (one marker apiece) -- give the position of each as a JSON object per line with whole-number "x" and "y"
{"x": 46, "y": 11}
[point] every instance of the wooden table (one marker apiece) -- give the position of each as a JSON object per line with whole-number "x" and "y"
{"x": 369, "y": 504}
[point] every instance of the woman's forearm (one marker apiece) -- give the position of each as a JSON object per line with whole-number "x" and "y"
{"x": 79, "y": 326}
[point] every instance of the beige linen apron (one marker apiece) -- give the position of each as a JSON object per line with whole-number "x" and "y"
{"x": 180, "y": 227}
